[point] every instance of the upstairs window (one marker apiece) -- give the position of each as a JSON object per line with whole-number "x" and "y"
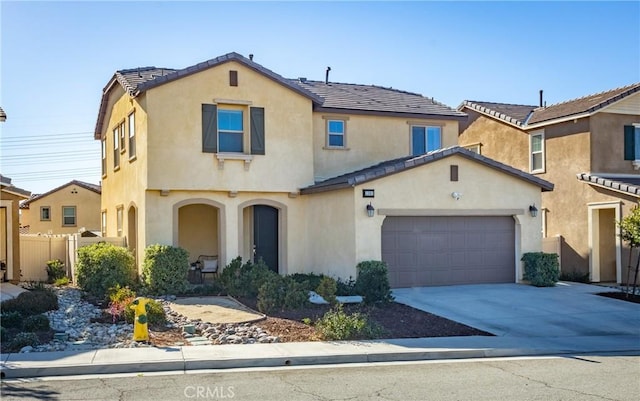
{"x": 224, "y": 129}
{"x": 104, "y": 156}
{"x": 425, "y": 139}
{"x": 632, "y": 142}
{"x": 536, "y": 146}
{"x": 132, "y": 135}
{"x": 123, "y": 139}
{"x": 336, "y": 133}
{"x": 116, "y": 148}
{"x": 68, "y": 215}
{"x": 230, "y": 130}
{"x": 45, "y": 213}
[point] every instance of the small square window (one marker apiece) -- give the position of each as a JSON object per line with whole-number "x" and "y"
{"x": 425, "y": 139}
{"x": 45, "y": 213}
{"x": 336, "y": 133}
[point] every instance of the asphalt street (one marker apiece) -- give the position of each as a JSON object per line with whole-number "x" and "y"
{"x": 569, "y": 378}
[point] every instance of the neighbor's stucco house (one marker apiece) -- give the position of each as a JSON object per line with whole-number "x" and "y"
{"x": 10, "y": 198}
{"x": 67, "y": 209}
{"x": 588, "y": 147}
{"x": 229, "y": 158}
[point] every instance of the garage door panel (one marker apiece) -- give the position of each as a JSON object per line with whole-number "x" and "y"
{"x": 423, "y": 251}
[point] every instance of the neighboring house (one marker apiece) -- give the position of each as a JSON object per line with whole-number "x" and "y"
{"x": 10, "y": 197}
{"x": 228, "y": 158}
{"x": 67, "y": 209}
{"x": 590, "y": 149}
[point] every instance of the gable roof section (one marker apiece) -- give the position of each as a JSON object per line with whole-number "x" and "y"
{"x": 626, "y": 185}
{"x": 91, "y": 187}
{"x": 395, "y": 166}
{"x": 514, "y": 114}
{"x": 370, "y": 98}
{"x": 584, "y": 105}
{"x": 7, "y": 186}
{"x": 325, "y": 96}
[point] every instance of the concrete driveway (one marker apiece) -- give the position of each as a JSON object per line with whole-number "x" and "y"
{"x": 520, "y": 310}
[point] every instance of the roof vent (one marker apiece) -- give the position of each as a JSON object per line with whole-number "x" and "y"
{"x": 251, "y": 57}
{"x": 302, "y": 79}
{"x": 326, "y": 79}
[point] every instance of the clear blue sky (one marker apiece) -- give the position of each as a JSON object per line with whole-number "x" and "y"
{"x": 56, "y": 57}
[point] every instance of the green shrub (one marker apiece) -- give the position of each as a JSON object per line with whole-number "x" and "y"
{"x": 296, "y": 295}
{"x": 311, "y": 281}
{"x": 372, "y": 282}
{"x": 31, "y": 303}
{"x": 336, "y": 324}
{"x": 55, "y": 270}
{"x": 155, "y": 313}
{"x": 327, "y": 289}
{"x": 23, "y": 340}
{"x": 165, "y": 268}
{"x": 271, "y": 294}
{"x": 346, "y": 287}
{"x": 36, "y": 323}
{"x": 541, "y": 269}
{"x": 11, "y": 319}
{"x": 101, "y": 266}
{"x": 245, "y": 280}
{"x": 61, "y": 282}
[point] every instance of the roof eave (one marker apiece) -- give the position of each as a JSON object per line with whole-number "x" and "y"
{"x": 338, "y": 110}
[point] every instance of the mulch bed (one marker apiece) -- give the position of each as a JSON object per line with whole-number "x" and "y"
{"x": 397, "y": 321}
{"x": 621, "y": 296}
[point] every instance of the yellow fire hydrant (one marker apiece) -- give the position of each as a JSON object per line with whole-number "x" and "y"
{"x": 140, "y": 327}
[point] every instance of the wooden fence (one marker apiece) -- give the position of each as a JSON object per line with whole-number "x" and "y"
{"x": 36, "y": 250}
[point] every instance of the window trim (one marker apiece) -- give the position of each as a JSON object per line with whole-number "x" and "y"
{"x": 123, "y": 136}
{"x": 48, "y": 209}
{"x": 116, "y": 148}
{"x": 426, "y": 127}
{"x": 542, "y": 151}
{"x": 75, "y": 216}
{"x": 327, "y": 121}
{"x": 132, "y": 138}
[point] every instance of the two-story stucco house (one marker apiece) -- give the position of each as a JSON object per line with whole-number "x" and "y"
{"x": 10, "y": 198}
{"x": 228, "y": 158}
{"x": 588, "y": 147}
{"x": 66, "y": 209}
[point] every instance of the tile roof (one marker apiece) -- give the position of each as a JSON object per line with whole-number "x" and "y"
{"x": 373, "y": 98}
{"x": 3, "y": 115}
{"x": 628, "y": 185}
{"x": 331, "y": 96}
{"x": 524, "y": 116}
{"x": 405, "y": 163}
{"x": 516, "y": 114}
{"x": 6, "y": 185}
{"x": 91, "y": 187}
{"x": 587, "y": 104}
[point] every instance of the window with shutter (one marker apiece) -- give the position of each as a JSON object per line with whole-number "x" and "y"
{"x": 632, "y": 142}
{"x": 209, "y": 128}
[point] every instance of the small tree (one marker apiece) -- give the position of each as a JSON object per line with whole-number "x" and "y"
{"x": 630, "y": 233}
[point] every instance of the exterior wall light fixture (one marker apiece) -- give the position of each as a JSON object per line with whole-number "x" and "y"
{"x": 533, "y": 210}
{"x": 370, "y": 210}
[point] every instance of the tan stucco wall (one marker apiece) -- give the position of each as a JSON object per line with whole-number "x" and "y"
{"x": 175, "y": 152}
{"x": 425, "y": 190}
{"x": 607, "y": 143}
{"x": 500, "y": 141}
{"x": 369, "y": 140}
{"x": 87, "y": 205}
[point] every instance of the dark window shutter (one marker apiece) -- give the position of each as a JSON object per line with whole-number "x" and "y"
{"x": 629, "y": 143}
{"x": 257, "y": 131}
{"x": 209, "y": 128}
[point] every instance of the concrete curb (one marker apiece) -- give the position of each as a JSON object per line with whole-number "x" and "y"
{"x": 186, "y": 358}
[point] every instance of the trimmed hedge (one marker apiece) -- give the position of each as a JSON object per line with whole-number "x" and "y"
{"x": 372, "y": 282}
{"x": 541, "y": 269}
{"x": 102, "y": 266}
{"x": 164, "y": 270}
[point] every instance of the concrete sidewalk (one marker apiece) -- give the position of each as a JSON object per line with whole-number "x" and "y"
{"x": 139, "y": 360}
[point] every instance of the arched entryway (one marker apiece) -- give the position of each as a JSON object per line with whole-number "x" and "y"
{"x": 199, "y": 229}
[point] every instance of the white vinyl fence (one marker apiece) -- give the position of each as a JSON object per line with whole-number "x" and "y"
{"x": 36, "y": 250}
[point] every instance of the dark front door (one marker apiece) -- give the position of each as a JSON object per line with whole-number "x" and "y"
{"x": 265, "y": 235}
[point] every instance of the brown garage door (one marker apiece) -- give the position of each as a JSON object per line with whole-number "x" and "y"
{"x": 427, "y": 251}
